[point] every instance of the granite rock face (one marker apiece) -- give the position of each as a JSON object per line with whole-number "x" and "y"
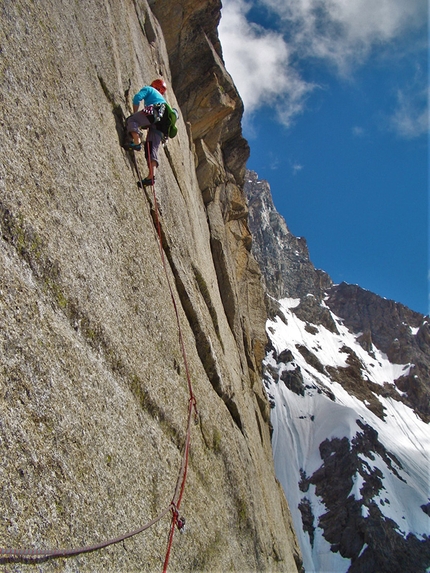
{"x": 93, "y": 392}
{"x": 212, "y": 108}
{"x": 205, "y": 90}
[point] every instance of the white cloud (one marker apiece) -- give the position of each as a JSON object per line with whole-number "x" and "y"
{"x": 259, "y": 62}
{"x": 341, "y": 33}
{"x": 296, "y": 168}
{"x": 358, "y": 131}
{"x": 344, "y": 32}
{"x": 409, "y": 121}
{"x": 411, "y": 117}
{"x": 274, "y": 162}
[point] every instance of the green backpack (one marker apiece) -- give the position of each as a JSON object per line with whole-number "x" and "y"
{"x": 173, "y": 116}
{"x": 164, "y": 117}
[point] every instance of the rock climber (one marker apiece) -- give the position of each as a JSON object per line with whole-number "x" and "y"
{"x": 150, "y": 118}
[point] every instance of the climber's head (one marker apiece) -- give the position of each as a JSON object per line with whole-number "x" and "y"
{"x": 159, "y": 85}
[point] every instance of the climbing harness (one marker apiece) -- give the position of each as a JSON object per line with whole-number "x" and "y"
{"x": 166, "y": 117}
{"x": 176, "y": 521}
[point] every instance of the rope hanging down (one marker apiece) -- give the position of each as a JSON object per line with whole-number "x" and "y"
{"x": 180, "y": 484}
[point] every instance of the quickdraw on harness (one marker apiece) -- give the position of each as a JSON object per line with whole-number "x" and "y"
{"x": 154, "y": 112}
{"x": 165, "y": 115}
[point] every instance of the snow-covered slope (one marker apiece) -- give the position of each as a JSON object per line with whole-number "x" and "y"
{"x": 347, "y": 374}
{"x": 356, "y": 476}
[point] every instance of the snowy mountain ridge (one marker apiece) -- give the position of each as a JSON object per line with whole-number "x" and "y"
{"x": 388, "y": 478}
{"x": 346, "y": 373}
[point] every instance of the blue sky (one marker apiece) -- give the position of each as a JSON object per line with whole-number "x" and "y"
{"x": 336, "y": 115}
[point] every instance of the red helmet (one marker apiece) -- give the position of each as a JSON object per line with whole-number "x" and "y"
{"x": 159, "y": 85}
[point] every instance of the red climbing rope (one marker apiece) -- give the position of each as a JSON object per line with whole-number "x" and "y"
{"x": 163, "y": 258}
{"x": 180, "y": 484}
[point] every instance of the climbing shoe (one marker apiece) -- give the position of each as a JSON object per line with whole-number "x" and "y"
{"x": 131, "y": 146}
{"x": 146, "y": 182}
{"x": 135, "y": 146}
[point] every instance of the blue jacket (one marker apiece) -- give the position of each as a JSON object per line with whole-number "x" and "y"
{"x": 150, "y": 95}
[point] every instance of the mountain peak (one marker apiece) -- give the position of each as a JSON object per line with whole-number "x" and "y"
{"x": 284, "y": 259}
{"x": 347, "y": 377}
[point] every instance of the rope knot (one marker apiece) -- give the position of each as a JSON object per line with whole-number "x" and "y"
{"x": 178, "y": 520}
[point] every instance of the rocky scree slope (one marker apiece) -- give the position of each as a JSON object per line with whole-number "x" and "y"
{"x": 347, "y": 375}
{"x": 93, "y": 395}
